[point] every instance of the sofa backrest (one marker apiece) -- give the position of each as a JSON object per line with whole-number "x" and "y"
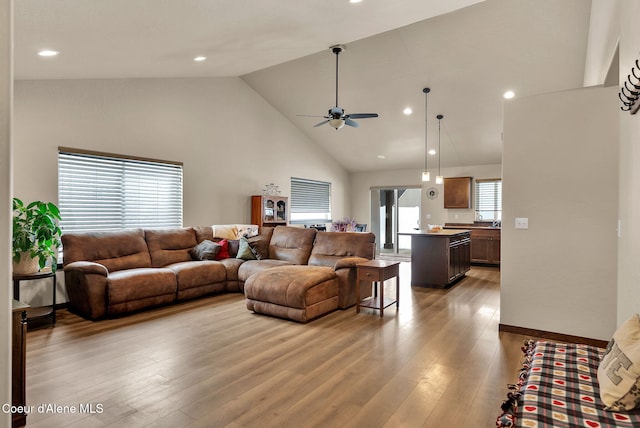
{"x": 330, "y": 247}
{"x": 167, "y": 246}
{"x": 291, "y": 244}
{"x": 116, "y": 250}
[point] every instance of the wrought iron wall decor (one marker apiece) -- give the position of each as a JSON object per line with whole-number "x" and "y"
{"x": 630, "y": 96}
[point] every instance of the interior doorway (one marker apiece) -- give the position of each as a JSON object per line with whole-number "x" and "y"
{"x": 394, "y": 210}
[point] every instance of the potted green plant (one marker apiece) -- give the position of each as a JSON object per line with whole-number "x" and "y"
{"x": 36, "y": 236}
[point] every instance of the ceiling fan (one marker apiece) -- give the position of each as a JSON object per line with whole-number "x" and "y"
{"x": 336, "y": 116}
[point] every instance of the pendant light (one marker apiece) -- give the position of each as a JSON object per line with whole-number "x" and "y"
{"x": 439, "y": 177}
{"x": 425, "y": 172}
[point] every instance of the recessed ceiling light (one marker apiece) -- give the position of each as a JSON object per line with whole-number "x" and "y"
{"x": 48, "y": 52}
{"x": 432, "y": 152}
{"x": 355, "y": 1}
{"x": 380, "y": 156}
{"x": 200, "y": 58}
{"x": 407, "y": 111}
{"x": 508, "y": 95}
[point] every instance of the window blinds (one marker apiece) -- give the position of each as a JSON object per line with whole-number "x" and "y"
{"x": 489, "y": 199}
{"x": 310, "y": 200}
{"x": 106, "y": 192}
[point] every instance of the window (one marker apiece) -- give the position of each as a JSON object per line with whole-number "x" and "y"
{"x": 489, "y": 199}
{"x": 310, "y": 201}
{"x": 99, "y": 191}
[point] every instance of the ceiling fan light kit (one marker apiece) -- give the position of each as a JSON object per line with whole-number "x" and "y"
{"x": 336, "y": 116}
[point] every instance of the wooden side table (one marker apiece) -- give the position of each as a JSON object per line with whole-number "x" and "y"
{"x": 378, "y": 271}
{"x": 44, "y": 311}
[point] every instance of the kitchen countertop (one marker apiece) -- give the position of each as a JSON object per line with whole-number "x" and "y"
{"x": 470, "y": 226}
{"x": 443, "y": 232}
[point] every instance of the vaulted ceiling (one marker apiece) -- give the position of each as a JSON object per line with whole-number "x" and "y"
{"x": 467, "y": 51}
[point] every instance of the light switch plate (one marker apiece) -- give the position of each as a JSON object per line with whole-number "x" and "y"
{"x": 522, "y": 223}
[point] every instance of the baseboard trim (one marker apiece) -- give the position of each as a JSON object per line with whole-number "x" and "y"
{"x": 556, "y": 337}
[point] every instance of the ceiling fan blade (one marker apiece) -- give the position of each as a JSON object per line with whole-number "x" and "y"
{"x": 321, "y": 123}
{"x": 362, "y": 115}
{"x": 311, "y": 115}
{"x": 350, "y": 122}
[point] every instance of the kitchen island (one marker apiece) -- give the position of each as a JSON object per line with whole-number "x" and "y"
{"x": 438, "y": 259}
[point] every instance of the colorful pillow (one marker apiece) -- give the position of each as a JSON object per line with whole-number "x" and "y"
{"x": 245, "y": 251}
{"x": 619, "y": 370}
{"x": 206, "y": 250}
{"x": 224, "y": 250}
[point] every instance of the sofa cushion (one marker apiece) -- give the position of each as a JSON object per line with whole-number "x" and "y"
{"x": 206, "y": 250}
{"x": 619, "y": 370}
{"x": 135, "y": 284}
{"x": 116, "y": 250}
{"x": 231, "y": 266}
{"x": 250, "y": 267}
{"x": 291, "y": 244}
{"x": 330, "y": 247}
{"x": 167, "y": 246}
{"x": 197, "y": 273}
{"x": 203, "y": 233}
{"x": 292, "y": 286}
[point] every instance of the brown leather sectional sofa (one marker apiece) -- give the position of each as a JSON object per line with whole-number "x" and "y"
{"x": 113, "y": 273}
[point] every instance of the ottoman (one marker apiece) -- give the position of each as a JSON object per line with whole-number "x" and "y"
{"x": 300, "y": 292}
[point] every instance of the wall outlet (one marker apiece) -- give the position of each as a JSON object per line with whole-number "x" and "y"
{"x": 522, "y": 223}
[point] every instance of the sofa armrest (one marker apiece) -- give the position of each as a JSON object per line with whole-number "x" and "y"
{"x": 87, "y": 268}
{"x": 349, "y": 262}
{"x": 86, "y": 284}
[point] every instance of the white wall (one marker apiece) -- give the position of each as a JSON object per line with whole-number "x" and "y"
{"x": 6, "y": 77}
{"x": 603, "y": 40}
{"x": 362, "y": 182}
{"x": 560, "y": 170}
{"x": 629, "y": 242}
{"x": 232, "y": 142}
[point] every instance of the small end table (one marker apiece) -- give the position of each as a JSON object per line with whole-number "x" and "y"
{"x": 41, "y": 312}
{"x": 378, "y": 271}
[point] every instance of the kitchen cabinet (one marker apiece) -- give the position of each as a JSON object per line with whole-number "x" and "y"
{"x": 485, "y": 246}
{"x": 438, "y": 259}
{"x": 457, "y": 192}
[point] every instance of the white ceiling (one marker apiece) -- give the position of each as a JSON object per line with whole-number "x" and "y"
{"x": 467, "y": 51}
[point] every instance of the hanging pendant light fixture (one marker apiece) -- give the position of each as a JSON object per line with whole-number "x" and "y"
{"x": 425, "y": 172}
{"x": 439, "y": 177}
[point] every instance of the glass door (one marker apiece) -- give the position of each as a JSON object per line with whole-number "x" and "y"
{"x": 393, "y": 211}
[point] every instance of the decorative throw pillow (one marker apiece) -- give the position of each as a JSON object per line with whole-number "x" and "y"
{"x": 225, "y": 231}
{"x": 224, "y": 250}
{"x": 619, "y": 370}
{"x": 206, "y": 250}
{"x": 247, "y": 230}
{"x": 244, "y": 250}
{"x": 259, "y": 246}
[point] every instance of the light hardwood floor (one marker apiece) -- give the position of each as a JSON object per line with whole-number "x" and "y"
{"x": 439, "y": 361}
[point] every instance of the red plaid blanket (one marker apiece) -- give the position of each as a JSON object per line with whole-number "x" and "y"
{"x": 558, "y": 387}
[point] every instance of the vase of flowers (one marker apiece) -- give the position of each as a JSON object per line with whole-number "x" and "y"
{"x": 345, "y": 225}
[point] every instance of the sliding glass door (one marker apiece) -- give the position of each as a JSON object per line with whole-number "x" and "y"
{"x": 394, "y": 210}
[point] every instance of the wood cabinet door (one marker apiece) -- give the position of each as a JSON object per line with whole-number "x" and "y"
{"x": 457, "y": 192}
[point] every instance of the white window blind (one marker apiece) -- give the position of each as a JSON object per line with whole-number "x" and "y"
{"x": 489, "y": 199}
{"x": 98, "y": 191}
{"x": 310, "y": 201}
